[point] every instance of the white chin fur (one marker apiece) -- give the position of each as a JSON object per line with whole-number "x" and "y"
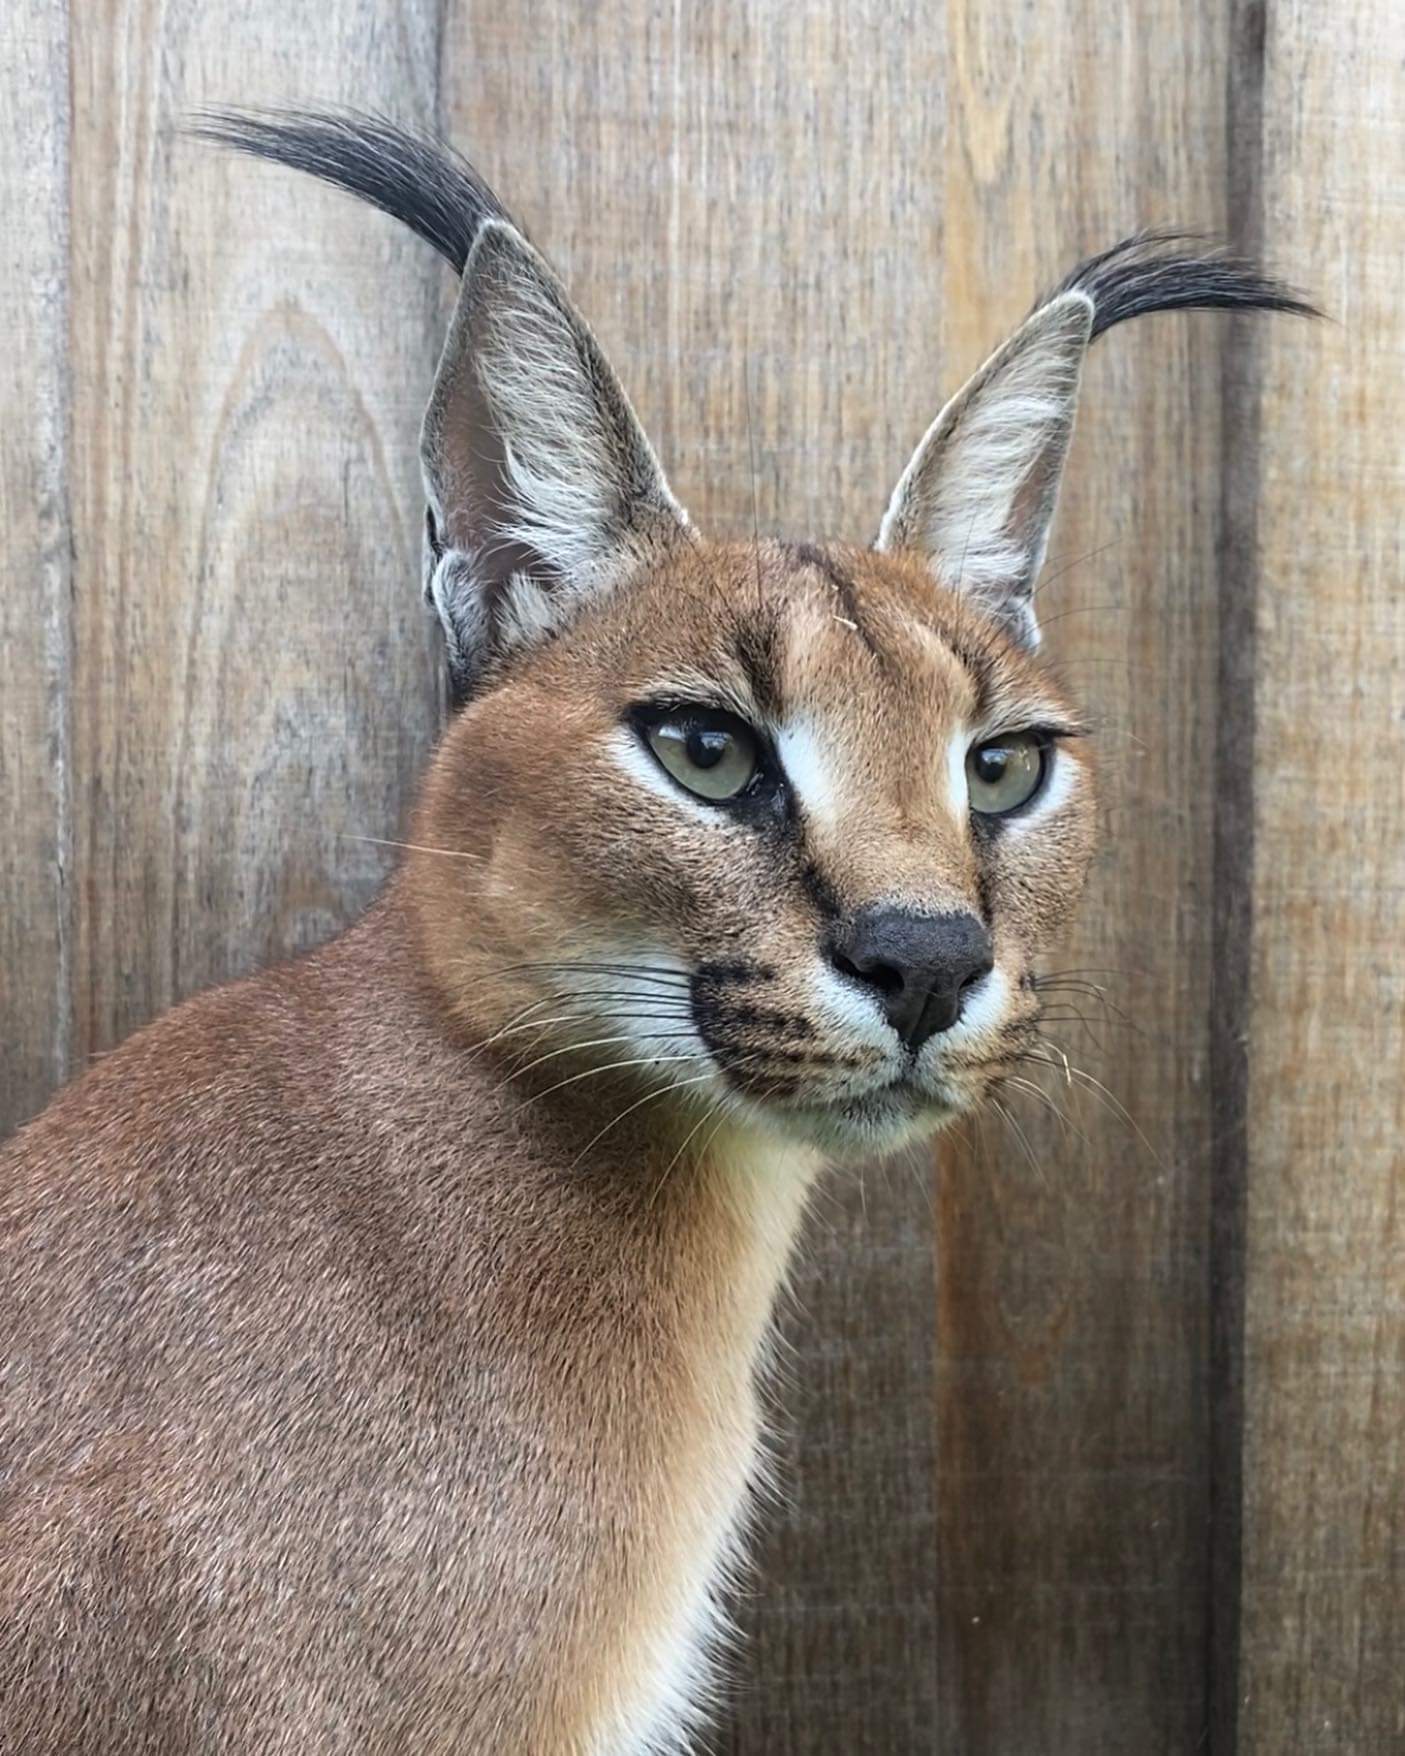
{"x": 861, "y": 1118}
{"x": 861, "y": 1128}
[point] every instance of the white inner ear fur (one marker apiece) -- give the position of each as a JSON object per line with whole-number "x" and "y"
{"x": 571, "y": 449}
{"x": 978, "y": 496}
{"x": 542, "y": 486}
{"x": 525, "y": 612}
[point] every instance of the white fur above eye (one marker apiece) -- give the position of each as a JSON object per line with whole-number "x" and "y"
{"x": 809, "y": 770}
{"x": 958, "y": 789}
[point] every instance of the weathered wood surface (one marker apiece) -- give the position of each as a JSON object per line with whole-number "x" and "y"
{"x": 1322, "y": 1649}
{"x": 251, "y": 685}
{"x": 35, "y": 563}
{"x": 1095, "y": 1443}
{"x": 1073, "y": 1416}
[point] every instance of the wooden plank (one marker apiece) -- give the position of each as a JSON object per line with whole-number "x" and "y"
{"x": 215, "y": 674}
{"x": 1323, "y": 1615}
{"x": 755, "y": 230}
{"x": 36, "y": 578}
{"x": 255, "y": 682}
{"x": 1074, "y": 1475}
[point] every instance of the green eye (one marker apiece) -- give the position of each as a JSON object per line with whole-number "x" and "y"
{"x": 713, "y": 754}
{"x": 1005, "y": 773}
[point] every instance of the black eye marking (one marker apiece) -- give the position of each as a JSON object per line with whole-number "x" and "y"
{"x": 985, "y": 829}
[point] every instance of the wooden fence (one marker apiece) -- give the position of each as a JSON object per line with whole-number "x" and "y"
{"x": 1095, "y": 1439}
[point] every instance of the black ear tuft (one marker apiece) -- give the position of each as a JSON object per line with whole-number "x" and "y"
{"x": 1160, "y": 271}
{"x": 417, "y": 181}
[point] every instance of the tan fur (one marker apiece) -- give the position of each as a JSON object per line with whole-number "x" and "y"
{"x": 362, "y": 1391}
{"x": 382, "y": 1334}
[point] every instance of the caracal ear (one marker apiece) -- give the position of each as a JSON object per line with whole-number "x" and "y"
{"x": 978, "y": 496}
{"x": 543, "y": 490}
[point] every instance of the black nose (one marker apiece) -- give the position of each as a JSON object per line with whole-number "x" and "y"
{"x": 920, "y": 966}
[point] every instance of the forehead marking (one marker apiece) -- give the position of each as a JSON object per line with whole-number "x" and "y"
{"x": 757, "y": 649}
{"x": 979, "y": 664}
{"x": 850, "y": 613}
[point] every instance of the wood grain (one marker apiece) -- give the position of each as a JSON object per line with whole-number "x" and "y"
{"x": 1323, "y": 1633}
{"x": 1073, "y": 1488}
{"x": 254, "y": 682}
{"x": 1095, "y": 1444}
{"x": 35, "y": 563}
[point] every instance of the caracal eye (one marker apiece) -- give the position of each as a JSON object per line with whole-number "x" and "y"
{"x": 713, "y": 754}
{"x": 1005, "y": 773}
